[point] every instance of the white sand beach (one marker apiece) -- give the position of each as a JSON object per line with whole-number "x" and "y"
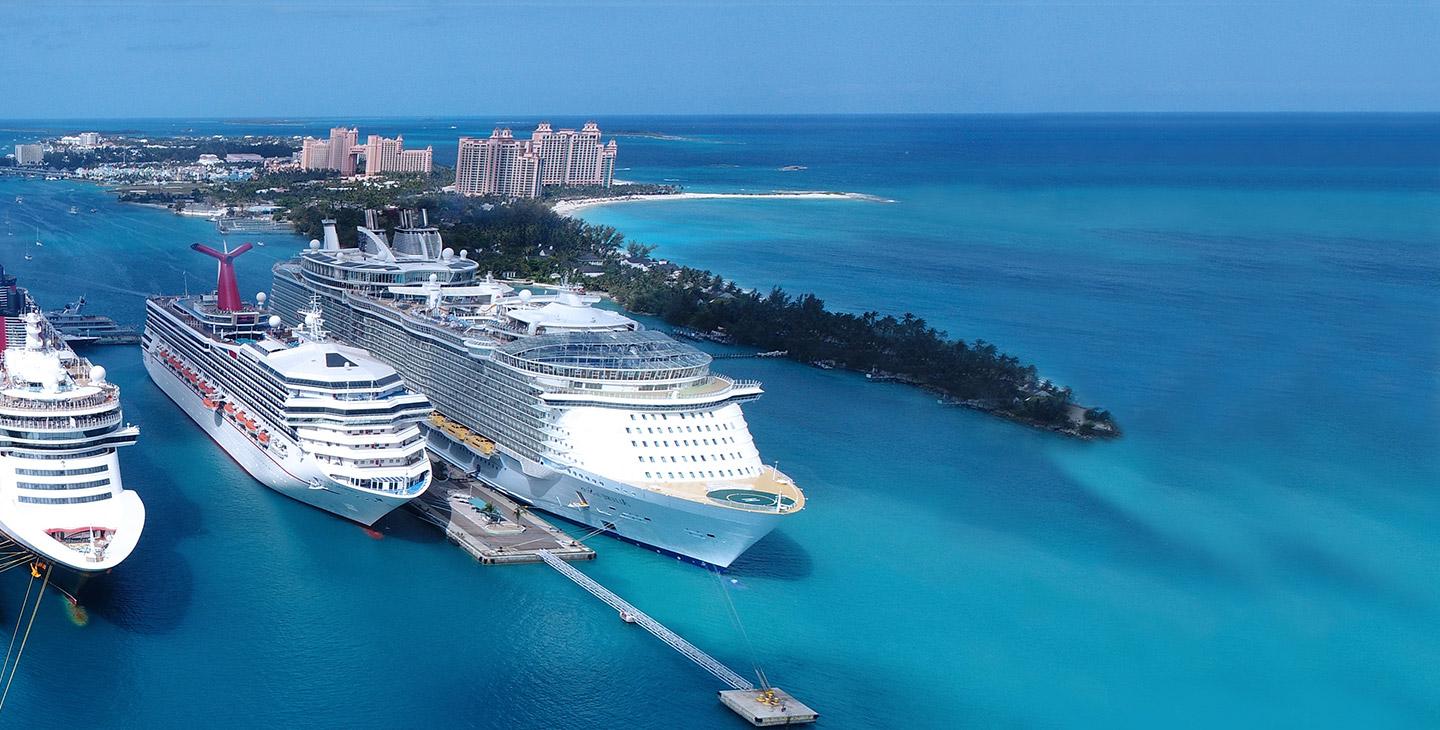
{"x": 568, "y": 207}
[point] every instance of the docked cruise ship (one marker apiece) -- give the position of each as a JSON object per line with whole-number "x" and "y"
{"x": 576, "y": 410}
{"x": 61, "y": 496}
{"x": 313, "y": 419}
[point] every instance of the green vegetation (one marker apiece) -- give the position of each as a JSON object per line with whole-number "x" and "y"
{"x": 573, "y": 192}
{"x": 526, "y": 239}
{"x": 178, "y": 150}
{"x": 532, "y": 241}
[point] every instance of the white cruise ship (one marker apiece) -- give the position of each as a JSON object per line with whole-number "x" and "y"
{"x": 61, "y": 496}
{"x": 313, "y": 419}
{"x": 573, "y": 409}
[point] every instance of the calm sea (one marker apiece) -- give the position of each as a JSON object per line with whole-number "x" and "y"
{"x": 1257, "y": 298}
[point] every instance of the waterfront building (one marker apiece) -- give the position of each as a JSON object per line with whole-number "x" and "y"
{"x": 498, "y": 165}
{"x": 342, "y": 149}
{"x": 29, "y": 154}
{"x": 314, "y": 154}
{"x": 89, "y": 139}
{"x": 570, "y": 157}
{"x": 389, "y": 155}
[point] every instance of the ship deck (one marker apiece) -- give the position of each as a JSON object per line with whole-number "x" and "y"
{"x": 760, "y": 493}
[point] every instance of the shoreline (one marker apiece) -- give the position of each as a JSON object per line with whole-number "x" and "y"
{"x": 569, "y": 207}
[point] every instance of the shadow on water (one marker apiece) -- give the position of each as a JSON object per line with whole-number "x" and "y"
{"x": 778, "y": 556}
{"x": 403, "y": 524}
{"x": 152, "y": 590}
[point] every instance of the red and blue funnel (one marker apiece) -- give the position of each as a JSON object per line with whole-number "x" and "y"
{"x": 227, "y": 292}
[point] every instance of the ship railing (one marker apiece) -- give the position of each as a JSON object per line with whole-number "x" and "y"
{"x": 61, "y": 424}
{"x": 69, "y": 404}
{"x": 712, "y": 387}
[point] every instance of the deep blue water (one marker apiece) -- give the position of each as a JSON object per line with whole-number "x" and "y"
{"x": 1257, "y": 298}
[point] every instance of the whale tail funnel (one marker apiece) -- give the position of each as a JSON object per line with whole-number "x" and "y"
{"x": 227, "y": 291}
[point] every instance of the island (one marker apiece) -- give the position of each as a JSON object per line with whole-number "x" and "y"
{"x": 537, "y": 240}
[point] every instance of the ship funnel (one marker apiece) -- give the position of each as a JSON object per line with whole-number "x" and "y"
{"x": 332, "y": 239}
{"x": 227, "y": 292}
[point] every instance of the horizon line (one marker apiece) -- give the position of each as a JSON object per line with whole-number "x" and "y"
{"x": 284, "y": 117}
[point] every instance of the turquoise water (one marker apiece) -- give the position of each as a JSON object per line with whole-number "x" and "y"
{"x": 1255, "y": 298}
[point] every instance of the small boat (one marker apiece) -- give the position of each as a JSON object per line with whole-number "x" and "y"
{"x": 627, "y": 617}
{"x": 74, "y": 211}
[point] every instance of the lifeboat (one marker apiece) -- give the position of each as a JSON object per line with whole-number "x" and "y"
{"x": 230, "y": 408}
{"x": 209, "y": 403}
{"x": 264, "y": 437}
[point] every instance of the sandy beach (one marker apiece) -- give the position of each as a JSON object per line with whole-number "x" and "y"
{"x": 567, "y": 207}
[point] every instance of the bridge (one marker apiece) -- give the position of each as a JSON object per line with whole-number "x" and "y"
{"x": 761, "y": 707}
{"x": 676, "y": 642}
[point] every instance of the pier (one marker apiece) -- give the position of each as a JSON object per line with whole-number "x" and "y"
{"x": 761, "y": 707}
{"x": 493, "y": 528}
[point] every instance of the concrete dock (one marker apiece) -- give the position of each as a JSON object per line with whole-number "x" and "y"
{"x": 492, "y": 527}
{"x": 768, "y": 707}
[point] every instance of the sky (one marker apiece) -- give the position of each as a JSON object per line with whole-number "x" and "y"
{"x": 112, "y": 58}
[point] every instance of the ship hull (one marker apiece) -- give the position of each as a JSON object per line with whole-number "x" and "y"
{"x": 681, "y": 527}
{"x": 294, "y": 475}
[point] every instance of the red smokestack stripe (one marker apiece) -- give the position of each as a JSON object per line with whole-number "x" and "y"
{"x": 227, "y": 292}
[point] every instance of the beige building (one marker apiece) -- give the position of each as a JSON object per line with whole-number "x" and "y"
{"x": 497, "y": 165}
{"x": 389, "y": 155}
{"x": 314, "y": 154}
{"x": 569, "y": 157}
{"x": 342, "y": 149}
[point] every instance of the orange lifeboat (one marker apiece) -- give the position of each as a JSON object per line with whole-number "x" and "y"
{"x": 264, "y": 437}
{"x": 209, "y": 403}
{"x": 230, "y": 408}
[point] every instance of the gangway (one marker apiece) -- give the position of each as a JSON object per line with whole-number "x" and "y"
{"x": 767, "y": 706}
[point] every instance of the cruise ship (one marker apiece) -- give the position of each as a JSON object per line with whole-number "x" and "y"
{"x": 313, "y": 419}
{"x": 82, "y": 328}
{"x": 574, "y": 409}
{"x": 61, "y": 496}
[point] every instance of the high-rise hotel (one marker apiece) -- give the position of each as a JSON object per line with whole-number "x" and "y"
{"x": 498, "y": 165}
{"x": 518, "y": 168}
{"x": 341, "y": 151}
{"x": 389, "y": 155}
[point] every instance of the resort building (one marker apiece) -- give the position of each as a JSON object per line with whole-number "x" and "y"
{"x": 314, "y": 154}
{"x": 29, "y": 154}
{"x": 389, "y": 155}
{"x": 342, "y": 149}
{"x": 89, "y": 139}
{"x": 569, "y": 157}
{"x": 498, "y": 165}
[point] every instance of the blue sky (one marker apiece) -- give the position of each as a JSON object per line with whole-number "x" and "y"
{"x": 106, "y": 58}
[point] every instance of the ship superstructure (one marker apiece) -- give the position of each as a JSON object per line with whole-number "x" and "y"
{"x": 61, "y": 495}
{"x": 575, "y": 409}
{"x": 84, "y": 328}
{"x": 316, "y": 420}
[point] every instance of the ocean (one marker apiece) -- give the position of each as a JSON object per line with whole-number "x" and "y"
{"x": 1256, "y": 298}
